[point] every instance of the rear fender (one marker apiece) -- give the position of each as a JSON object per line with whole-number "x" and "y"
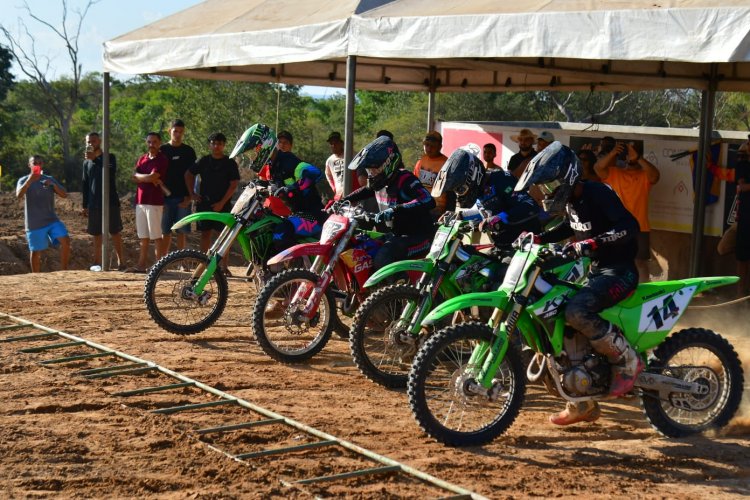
{"x": 301, "y": 250}
{"x": 495, "y": 300}
{"x": 225, "y": 218}
{"x": 419, "y": 266}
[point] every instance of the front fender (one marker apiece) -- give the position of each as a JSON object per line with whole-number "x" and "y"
{"x": 225, "y": 218}
{"x": 496, "y": 300}
{"x": 419, "y": 266}
{"x": 301, "y": 250}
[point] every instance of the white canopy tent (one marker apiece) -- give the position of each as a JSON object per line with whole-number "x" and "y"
{"x": 444, "y": 45}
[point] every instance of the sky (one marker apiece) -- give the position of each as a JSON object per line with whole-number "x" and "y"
{"x": 105, "y": 20}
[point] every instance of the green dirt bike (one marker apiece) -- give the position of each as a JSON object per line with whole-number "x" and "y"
{"x": 387, "y": 328}
{"x": 467, "y": 382}
{"x": 185, "y": 292}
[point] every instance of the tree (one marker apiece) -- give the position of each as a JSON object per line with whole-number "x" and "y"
{"x": 58, "y": 99}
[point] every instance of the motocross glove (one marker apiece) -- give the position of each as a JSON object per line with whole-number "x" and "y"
{"x": 494, "y": 223}
{"x": 583, "y": 248}
{"x": 384, "y": 216}
{"x": 287, "y": 192}
{"x": 524, "y": 238}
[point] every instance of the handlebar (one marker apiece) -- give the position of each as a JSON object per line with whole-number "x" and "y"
{"x": 346, "y": 209}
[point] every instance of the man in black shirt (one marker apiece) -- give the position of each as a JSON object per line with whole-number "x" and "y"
{"x": 518, "y": 161}
{"x": 605, "y": 231}
{"x": 91, "y": 191}
{"x": 742, "y": 174}
{"x": 177, "y": 203}
{"x": 219, "y": 178}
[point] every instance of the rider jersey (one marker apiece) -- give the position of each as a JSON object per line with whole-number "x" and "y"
{"x": 288, "y": 170}
{"x": 599, "y": 214}
{"x": 497, "y": 196}
{"x": 410, "y": 201}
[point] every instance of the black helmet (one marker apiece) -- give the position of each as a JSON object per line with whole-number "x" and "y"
{"x": 462, "y": 173}
{"x": 381, "y": 158}
{"x": 554, "y": 171}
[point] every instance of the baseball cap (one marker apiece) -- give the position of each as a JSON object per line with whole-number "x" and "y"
{"x": 334, "y": 136}
{"x": 433, "y": 136}
{"x": 546, "y": 136}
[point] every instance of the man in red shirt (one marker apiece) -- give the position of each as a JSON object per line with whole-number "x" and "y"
{"x": 149, "y": 171}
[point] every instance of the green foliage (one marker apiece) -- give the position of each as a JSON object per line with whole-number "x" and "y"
{"x": 149, "y": 103}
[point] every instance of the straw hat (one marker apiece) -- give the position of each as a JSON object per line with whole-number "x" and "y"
{"x": 524, "y": 133}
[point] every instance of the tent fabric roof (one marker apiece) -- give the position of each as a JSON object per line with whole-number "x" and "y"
{"x": 475, "y": 45}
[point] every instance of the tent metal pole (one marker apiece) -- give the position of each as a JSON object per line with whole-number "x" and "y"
{"x": 708, "y": 104}
{"x": 351, "y": 78}
{"x": 105, "y": 172}
{"x": 431, "y": 100}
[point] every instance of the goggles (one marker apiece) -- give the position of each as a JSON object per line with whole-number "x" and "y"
{"x": 547, "y": 188}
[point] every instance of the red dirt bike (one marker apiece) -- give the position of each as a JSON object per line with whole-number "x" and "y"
{"x": 295, "y": 312}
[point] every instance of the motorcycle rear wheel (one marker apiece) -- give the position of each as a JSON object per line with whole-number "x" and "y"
{"x": 166, "y": 290}
{"x": 278, "y": 332}
{"x": 703, "y": 356}
{"x": 438, "y": 382}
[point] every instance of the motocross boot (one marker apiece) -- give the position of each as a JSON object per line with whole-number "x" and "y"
{"x": 585, "y": 411}
{"x": 626, "y": 363}
{"x": 274, "y": 309}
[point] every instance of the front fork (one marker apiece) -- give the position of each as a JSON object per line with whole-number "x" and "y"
{"x": 217, "y": 252}
{"x": 312, "y": 297}
{"x": 489, "y": 355}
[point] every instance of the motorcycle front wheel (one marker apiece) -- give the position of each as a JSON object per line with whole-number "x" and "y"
{"x": 444, "y": 397}
{"x": 169, "y": 297}
{"x": 278, "y": 325}
{"x": 381, "y": 352}
{"x": 695, "y": 355}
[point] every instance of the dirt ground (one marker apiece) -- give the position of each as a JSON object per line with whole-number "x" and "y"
{"x": 63, "y": 435}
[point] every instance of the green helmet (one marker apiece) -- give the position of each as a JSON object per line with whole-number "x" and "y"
{"x": 256, "y": 146}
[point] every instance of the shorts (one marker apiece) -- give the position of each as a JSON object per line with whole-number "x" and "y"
{"x": 173, "y": 213}
{"x": 208, "y": 225}
{"x": 148, "y": 221}
{"x": 41, "y": 239}
{"x": 644, "y": 246}
{"x": 95, "y": 221}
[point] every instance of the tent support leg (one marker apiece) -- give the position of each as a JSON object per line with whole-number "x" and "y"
{"x": 708, "y": 104}
{"x": 431, "y": 100}
{"x": 351, "y": 78}
{"x": 105, "y": 173}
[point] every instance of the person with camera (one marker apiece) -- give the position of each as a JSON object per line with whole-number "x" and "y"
{"x": 43, "y": 227}
{"x": 631, "y": 176}
{"x": 91, "y": 191}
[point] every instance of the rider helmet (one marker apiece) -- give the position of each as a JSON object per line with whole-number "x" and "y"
{"x": 381, "y": 158}
{"x": 256, "y": 146}
{"x": 554, "y": 171}
{"x": 462, "y": 173}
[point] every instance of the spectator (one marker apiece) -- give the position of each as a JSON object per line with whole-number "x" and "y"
{"x": 335, "y": 167}
{"x": 150, "y": 170}
{"x": 489, "y": 153}
{"x": 43, "y": 227}
{"x": 742, "y": 174}
{"x": 545, "y": 139}
{"x": 177, "y": 203}
{"x": 286, "y": 141}
{"x": 91, "y": 190}
{"x": 632, "y": 183}
{"x": 517, "y": 163}
{"x": 219, "y": 179}
{"x": 427, "y": 168}
{"x": 588, "y": 159}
